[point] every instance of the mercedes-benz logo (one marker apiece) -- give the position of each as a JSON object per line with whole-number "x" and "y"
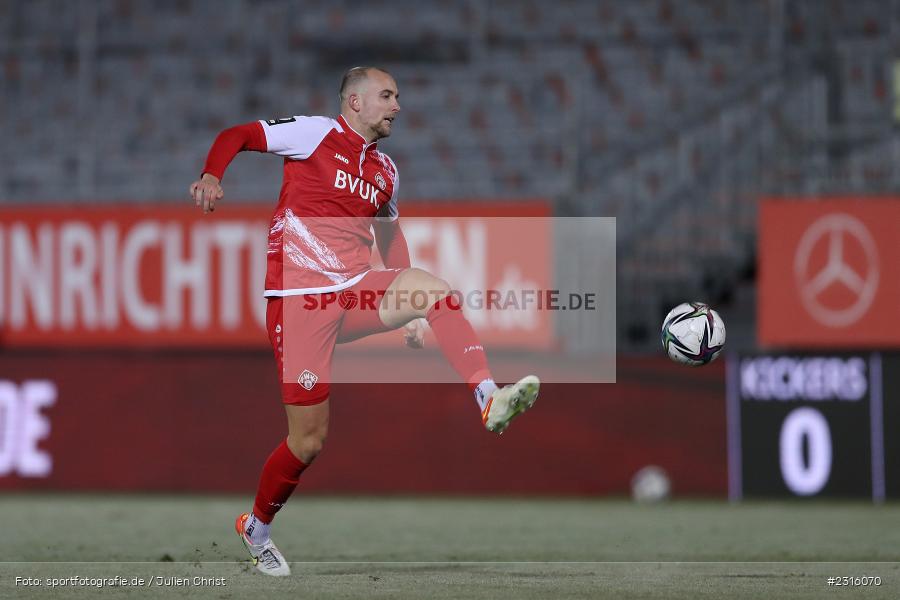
{"x": 838, "y": 231}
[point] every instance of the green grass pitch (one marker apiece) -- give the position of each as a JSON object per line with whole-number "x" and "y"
{"x": 453, "y": 548}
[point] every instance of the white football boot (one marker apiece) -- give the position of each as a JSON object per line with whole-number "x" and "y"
{"x": 510, "y": 401}
{"x": 266, "y": 557}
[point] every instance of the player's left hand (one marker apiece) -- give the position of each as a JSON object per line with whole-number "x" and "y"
{"x": 414, "y": 333}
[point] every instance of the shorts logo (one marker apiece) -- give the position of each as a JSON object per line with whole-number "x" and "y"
{"x": 380, "y": 181}
{"x": 307, "y": 379}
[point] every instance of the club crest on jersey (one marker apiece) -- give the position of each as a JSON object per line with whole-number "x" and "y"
{"x": 388, "y": 166}
{"x": 307, "y": 379}
{"x": 356, "y": 185}
{"x": 380, "y": 181}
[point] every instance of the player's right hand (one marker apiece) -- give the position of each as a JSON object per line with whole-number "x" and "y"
{"x": 205, "y": 191}
{"x": 414, "y": 333}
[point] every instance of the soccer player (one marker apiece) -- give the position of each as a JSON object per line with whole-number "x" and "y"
{"x": 338, "y": 189}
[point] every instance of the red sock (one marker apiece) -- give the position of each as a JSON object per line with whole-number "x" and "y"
{"x": 279, "y": 478}
{"x": 458, "y": 341}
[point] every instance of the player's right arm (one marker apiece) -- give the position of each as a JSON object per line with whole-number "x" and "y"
{"x": 294, "y": 137}
{"x": 206, "y": 190}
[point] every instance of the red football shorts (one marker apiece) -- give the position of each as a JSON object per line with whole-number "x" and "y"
{"x": 317, "y": 322}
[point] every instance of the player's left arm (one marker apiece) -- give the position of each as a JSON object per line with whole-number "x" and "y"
{"x": 395, "y": 255}
{"x": 388, "y": 235}
{"x": 392, "y": 244}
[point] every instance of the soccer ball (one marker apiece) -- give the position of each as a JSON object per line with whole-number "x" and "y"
{"x": 650, "y": 484}
{"x": 693, "y": 334}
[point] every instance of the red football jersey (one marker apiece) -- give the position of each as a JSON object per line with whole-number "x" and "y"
{"x": 335, "y": 184}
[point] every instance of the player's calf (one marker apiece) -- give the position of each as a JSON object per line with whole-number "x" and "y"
{"x": 458, "y": 342}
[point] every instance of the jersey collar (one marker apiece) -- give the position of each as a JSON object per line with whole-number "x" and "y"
{"x": 355, "y": 135}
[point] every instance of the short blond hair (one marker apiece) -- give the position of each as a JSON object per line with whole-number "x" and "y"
{"x": 354, "y": 76}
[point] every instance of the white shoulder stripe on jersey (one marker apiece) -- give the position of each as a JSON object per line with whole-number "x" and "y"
{"x": 297, "y": 138}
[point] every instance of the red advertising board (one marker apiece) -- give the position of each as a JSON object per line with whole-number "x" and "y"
{"x": 829, "y": 274}
{"x": 165, "y": 275}
{"x": 177, "y": 421}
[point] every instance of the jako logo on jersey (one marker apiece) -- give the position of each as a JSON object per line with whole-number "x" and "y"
{"x": 380, "y": 181}
{"x": 364, "y": 189}
{"x": 468, "y": 349}
{"x": 344, "y": 160}
{"x": 307, "y": 379}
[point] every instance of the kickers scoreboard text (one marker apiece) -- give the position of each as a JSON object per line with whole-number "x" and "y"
{"x": 804, "y": 425}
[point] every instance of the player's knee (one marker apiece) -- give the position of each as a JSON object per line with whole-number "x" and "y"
{"x": 440, "y": 288}
{"x": 419, "y": 279}
{"x": 306, "y": 447}
{"x": 423, "y": 281}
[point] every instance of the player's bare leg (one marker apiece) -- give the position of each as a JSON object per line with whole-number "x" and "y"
{"x": 307, "y": 428}
{"x": 417, "y": 294}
